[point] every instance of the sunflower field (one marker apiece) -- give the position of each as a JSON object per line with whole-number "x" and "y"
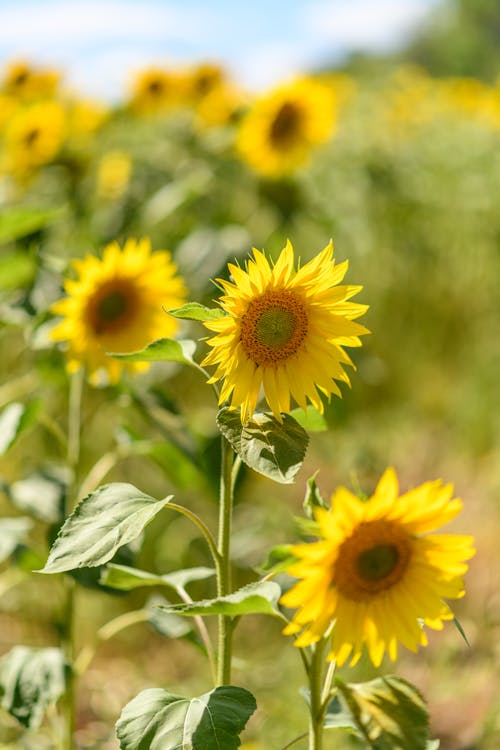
{"x": 250, "y": 365}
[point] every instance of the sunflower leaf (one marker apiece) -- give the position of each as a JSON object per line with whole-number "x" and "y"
{"x": 388, "y": 713}
{"x": 156, "y": 718}
{"x": 31, "y": 680}
{"x": 276, "y": 450}
{"x": 124, "y": 578}
{"x": 22, "y": 221}
{"x": 14, "y": 419}
{"x": 256, "y": 598}
{"x": 195, "y": 311}
{"x": 312, "y": 499}
{"x": 101, "y": 523}
{"x": 310, "y": 419}
{"x": 162, "y": 350}
{"x": 279, "y": 558}
{"x": 13, "y": 532}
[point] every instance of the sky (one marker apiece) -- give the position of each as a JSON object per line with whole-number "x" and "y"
{"x": 100, "y": 43}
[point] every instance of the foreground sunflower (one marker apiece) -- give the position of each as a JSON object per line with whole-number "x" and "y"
{"x": 281, "y": 128}
{"x": 376, "y": 574}
{"x": 115, "y": 305}
{"x": 284, "y": 330}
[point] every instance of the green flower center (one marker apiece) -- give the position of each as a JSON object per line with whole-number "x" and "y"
{"x": 274, "y": 327}
{"x": 378, "y": 562}
{"x": 286, "y": 125}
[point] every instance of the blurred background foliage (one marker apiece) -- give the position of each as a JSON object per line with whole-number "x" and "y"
{"x": 408, "y": 188}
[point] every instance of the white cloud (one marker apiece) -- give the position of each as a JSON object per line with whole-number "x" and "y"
{"x": 364, "y": 24}
{"x": 34, "y": 25}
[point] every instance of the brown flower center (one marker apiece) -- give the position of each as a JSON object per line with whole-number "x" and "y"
{"x": 112, "y": 307}
{"x": 286, "y": 125}
{"x": 374, "y": 558}
{"x": 31, "y": 137}
{"x": 273, "y": 327}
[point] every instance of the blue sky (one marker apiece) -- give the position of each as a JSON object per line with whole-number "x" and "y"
{"x": 99, "y": 43}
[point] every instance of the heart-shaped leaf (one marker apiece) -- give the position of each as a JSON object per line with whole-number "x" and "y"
{"x": 158, "y": 720}
{"x": 162, "y": 350}
{"x": 101, "y": 523}
{"x": 195, "y": 311}
{"x": 272, "y": 448}
{"x": 31, "y": 679}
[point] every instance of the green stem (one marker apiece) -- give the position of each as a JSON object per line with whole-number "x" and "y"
{"x": 68, "y": 623}
{"x": 317, "y": 710}
{"x": 224, "y": 569}
{"x": 295, "y": 739}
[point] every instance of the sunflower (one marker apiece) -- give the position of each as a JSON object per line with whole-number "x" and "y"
{"x": 280, "y": 130}
{"x": 156, "y": 90}
{"x": 28, "y": 82}
{"x": 34, "y": 136}
{"x": 284, "y": 329}
{"x": 376, "y": 574}
{"x": 115, "y": 305}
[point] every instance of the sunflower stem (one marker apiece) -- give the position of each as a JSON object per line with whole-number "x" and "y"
{"x": 224, "y": 569}
{"x": 317, "y": 708}
{"x": 68, "y": 620}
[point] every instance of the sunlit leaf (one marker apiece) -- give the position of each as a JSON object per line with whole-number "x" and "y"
{"x": 256, "y": 598}
{"x": 276, "y": 450}
{"x": 312, "y": 498}
{"x": 162, "y": 350}
{"x": 158, "y": 719}
{"x": 14, "y": 420}
{"x": 278, "y": 560}
{"x": 195, "y": 311}
{"x": 388, "y": 713}
{"x": 31, "y": 680}
{"x": 101, "y": 523}
{"x": 124, "y": 578}
{"x": 19, "y": 222}
{"x": 169, "y": 626}
{"x": 310, "y": 419}
{"x": 17, "y": 269}
{"x": 13, "y": 532}
{"x": 38, "y": 495}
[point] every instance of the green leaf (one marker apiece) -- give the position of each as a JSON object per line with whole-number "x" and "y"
{"x": 276, "y": 450}
{"x": 31, "y": 680}
{"x": 256, "y": 598}
{"x": 124, "y": 578}
{"x": 460, "y": 629}
{"x": 313, "y": 497}
{"x": 158, "y": 719}
{"x": 17, "y": 269}
{"x": 162, "y": 350}
{"x": 388, "y": 713}
{"x": 13, "y": 532}
{"x": 14, "y": 419}
{"x": 310, "y": 419}
{"x": 100, "y": 524}
{"x": 195, "y": 311}
{"x": 278, "y": 560}
{"x": 19, "y": 222}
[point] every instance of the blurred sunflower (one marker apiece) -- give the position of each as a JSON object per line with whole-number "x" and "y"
{"x": 376, "y": 574}
{"x": 115, "y": 305}
{"x": 202, "y": 79}
{"x": 221, "y": 106}
{"x": 280, "y": 129}
{"x": 28, "y": 82}
{"x": 156, "y": 89}
{"x": 34, "y": 136}
{"x": 284, "y": 330}
{"x": 113, "y": 174}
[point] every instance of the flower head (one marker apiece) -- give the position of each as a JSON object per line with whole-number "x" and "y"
{"x": 285, "y": 330}
{"x": 376, "y": 574}
{"x": 34, "y": 136}
{"x": 28, "y": 82}
{"x": 282, "y": 127}
{"x": 156, "y": 90}
{"x": 115, "y": 305}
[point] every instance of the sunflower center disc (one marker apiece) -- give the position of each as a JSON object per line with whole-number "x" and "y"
{"x": 273, "y": 327}
{"x": 113, "y": 306}
{"x": 286, "y": 124}
{"x": 373, "y": 559}
{"x": 378, "y": 562}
